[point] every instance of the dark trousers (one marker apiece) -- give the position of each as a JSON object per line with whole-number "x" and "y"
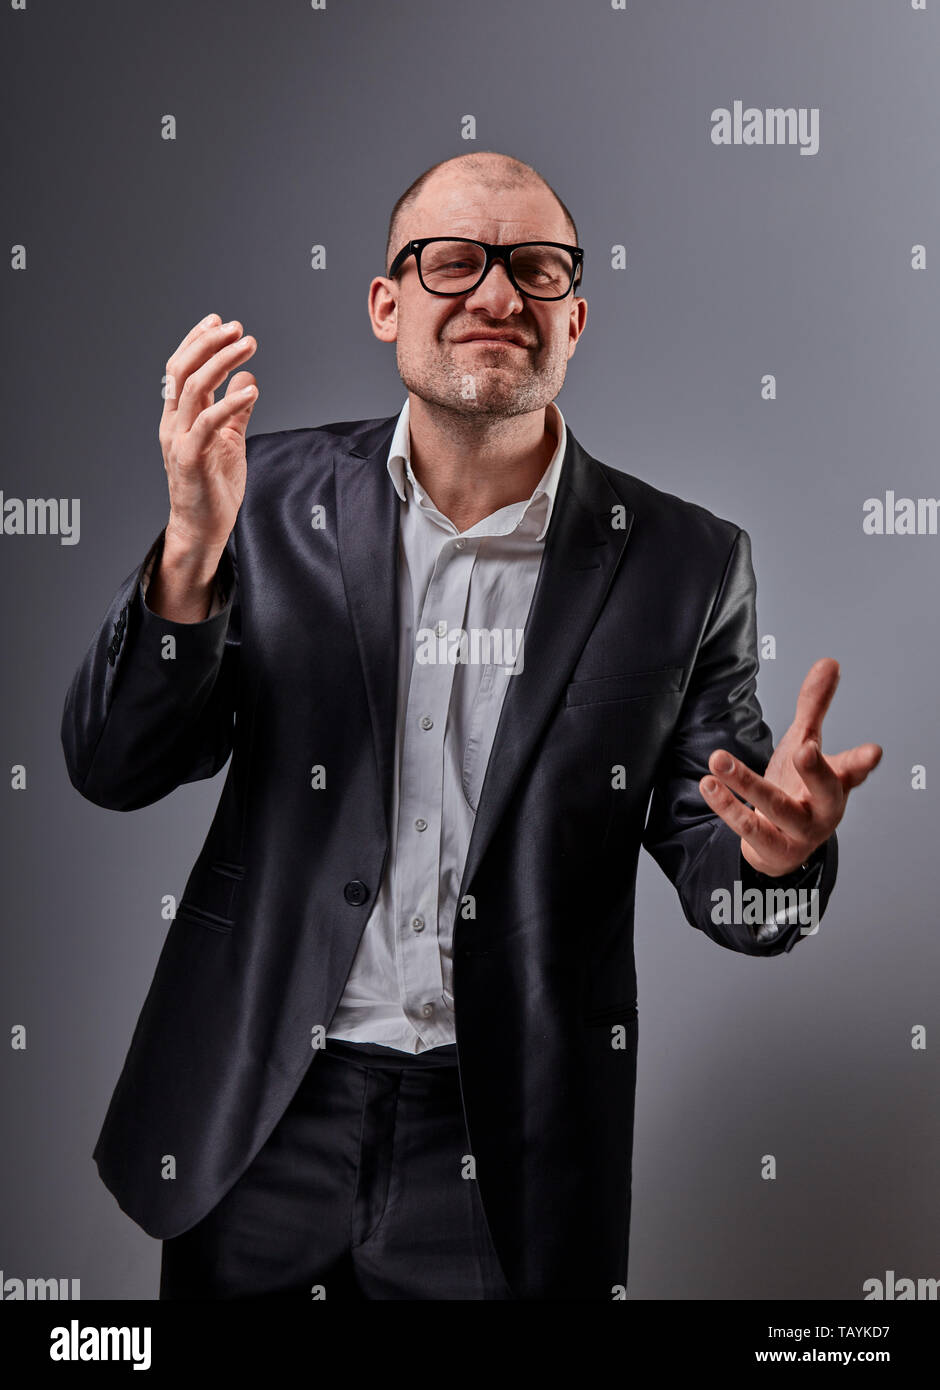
{"x": 358, "y": 1193}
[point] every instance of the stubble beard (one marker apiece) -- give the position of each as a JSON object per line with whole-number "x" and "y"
{"x": 479, "y": 388}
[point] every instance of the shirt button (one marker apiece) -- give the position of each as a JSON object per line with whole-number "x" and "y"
{"x": 426, "y": 721}
{"x": 427, "y": 1010}
{"x": 417, "y": 924}
{"x": 441, "y": 628}
{"x": 421, "y": 824}
{"x": 459, "y": 545}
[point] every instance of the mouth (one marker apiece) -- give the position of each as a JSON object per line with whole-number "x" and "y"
{"x": 492, "y": 342}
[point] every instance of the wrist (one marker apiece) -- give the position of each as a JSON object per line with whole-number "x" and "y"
{"x": 196, "y": 563}
{"x": 808, "y": 863}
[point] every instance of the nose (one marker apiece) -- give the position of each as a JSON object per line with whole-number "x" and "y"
{"x": 496, "y": 293}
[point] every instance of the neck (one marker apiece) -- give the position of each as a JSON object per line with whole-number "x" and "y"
{"x": 470, "y": 466}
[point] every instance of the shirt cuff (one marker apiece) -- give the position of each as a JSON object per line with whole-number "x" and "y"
{"x": 806, "y": 877}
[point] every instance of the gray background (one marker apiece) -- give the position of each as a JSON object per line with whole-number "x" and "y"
{"x": 298, "y": 127}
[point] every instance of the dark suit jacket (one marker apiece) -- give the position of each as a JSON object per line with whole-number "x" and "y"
{"x": 640, "y": 649}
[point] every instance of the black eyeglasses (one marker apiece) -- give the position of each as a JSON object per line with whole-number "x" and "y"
{"x": 451, "y": 266}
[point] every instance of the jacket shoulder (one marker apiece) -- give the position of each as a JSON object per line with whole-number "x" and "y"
{"x": 314, "y": 439}
{"x": 312, "y": 448}
{"x": 665, "y": 519}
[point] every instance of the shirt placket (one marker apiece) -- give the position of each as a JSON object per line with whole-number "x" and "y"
{"x": 417, "y": 897}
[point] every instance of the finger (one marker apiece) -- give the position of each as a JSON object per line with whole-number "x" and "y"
{"x": 769, "y": 842}
{"x": 237, "y": 386}
{"x": 819, "y": 777}
{"x": 177, "y": 361}
{"x": 815, "y": 697}
{"x": 210, "y": 321}
{"x": 854, "y": 764}
{"x": 199, "y": 390}
{"x": 783, "y": 810}
{"x": 234, "y": 410}
{"x": 196, "y": 347}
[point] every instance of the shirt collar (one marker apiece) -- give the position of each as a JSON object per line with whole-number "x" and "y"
{"x": 399, "y": 464}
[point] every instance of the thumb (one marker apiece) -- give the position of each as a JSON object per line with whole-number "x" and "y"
{"x": 854, "y": 765}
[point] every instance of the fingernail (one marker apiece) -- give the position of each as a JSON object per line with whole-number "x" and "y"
{"x": 724, "y": 763}
{"x": 710, "y": 784}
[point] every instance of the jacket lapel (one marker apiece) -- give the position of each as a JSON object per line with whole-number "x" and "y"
{"x": 582, "y": 552}
{"x": 367, "y": 524}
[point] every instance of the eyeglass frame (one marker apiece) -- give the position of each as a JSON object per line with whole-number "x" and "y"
{"x": 493, "y": 252}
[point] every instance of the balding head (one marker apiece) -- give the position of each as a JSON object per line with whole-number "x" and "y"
{"x": 498, "y": 173}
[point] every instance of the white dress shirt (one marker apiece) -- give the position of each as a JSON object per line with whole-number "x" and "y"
{"x": 400, "y": 989}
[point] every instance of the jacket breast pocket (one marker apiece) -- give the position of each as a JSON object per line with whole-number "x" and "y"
{"x": 210, "y": 894}
{"x": 629, "y": 685}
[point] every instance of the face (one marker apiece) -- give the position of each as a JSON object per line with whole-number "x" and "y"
{"x": 436, "y": 361}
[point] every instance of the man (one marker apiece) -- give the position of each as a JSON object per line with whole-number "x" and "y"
{"x": 390, "y": 1046}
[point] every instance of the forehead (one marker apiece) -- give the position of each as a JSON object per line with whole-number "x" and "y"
{"x": 460, "y": 205}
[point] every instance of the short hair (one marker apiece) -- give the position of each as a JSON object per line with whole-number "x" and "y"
{"x": 509, "y": 173}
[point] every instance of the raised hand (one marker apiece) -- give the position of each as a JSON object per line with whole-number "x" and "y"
{"x": 802, "y": 796}
{"x": 203, "y": 440}
{"x": 203, "y": 443}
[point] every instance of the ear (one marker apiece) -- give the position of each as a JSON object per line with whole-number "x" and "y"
{"x": 383, "y": 308}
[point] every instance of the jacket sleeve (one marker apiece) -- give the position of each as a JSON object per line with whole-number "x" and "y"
{"x": 699, "y": 854}
{"x": 152, "y": 704}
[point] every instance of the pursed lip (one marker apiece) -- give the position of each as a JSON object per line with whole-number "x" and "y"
{"x": 491, "y": 338}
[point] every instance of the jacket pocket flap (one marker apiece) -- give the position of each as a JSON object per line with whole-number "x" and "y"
{"x": 211, "y": 891}
{"x": 203, "y": 916}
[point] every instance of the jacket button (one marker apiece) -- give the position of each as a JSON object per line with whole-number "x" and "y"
{"x": 355, "y": 892}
